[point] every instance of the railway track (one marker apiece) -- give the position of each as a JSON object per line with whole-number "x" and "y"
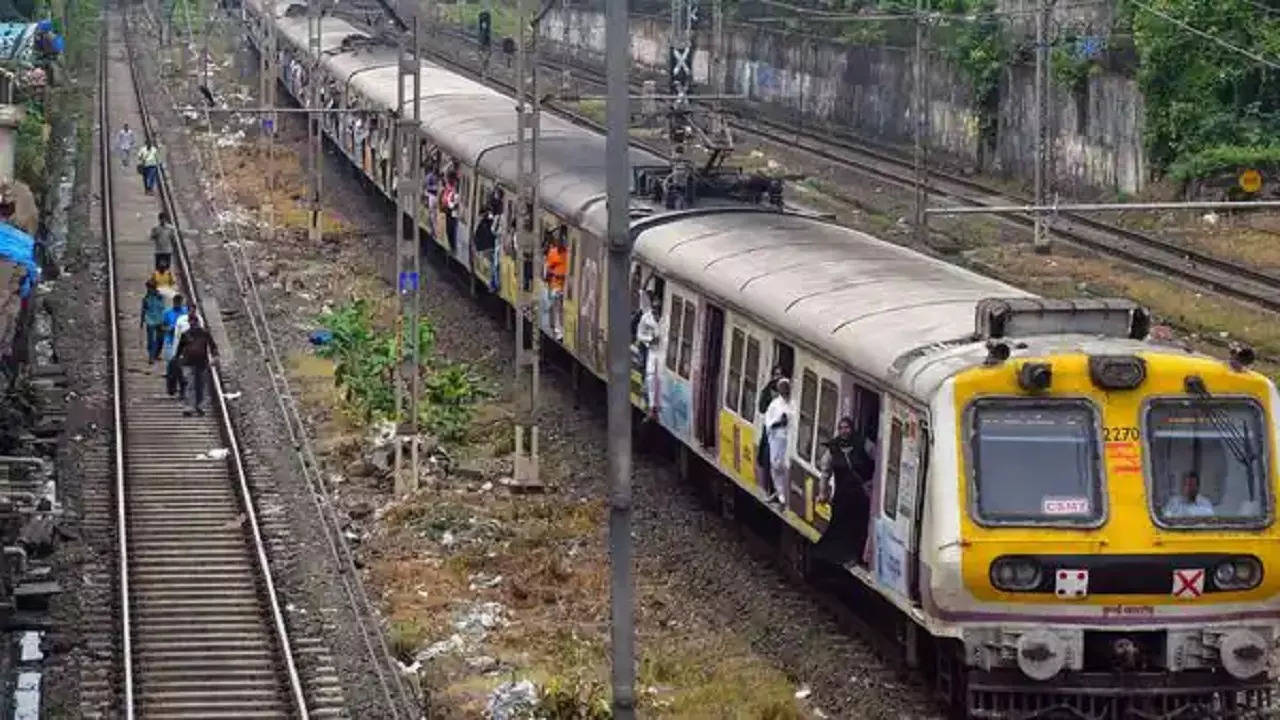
{"x": 1144, "y": 251}
{"x": 202, "y": 632}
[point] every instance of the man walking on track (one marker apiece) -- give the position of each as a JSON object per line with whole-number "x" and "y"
{"x": 124, "y": 144}
{"x": 196, "y": 350}
{"x": 175, "y": 325}
{"x": 149, "y": 166}
{"x": 162, "y": 236}
{"x": 153, "y": 311}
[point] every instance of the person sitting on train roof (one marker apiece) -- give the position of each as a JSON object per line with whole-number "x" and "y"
{"x": 1189, "y": 503}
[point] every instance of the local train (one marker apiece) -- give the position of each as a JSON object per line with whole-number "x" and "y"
{"x": 1070, "y": 518}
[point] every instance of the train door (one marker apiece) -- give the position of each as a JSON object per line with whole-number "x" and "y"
{"x": 895, "y": 496}
{"x": 571, "y": 295}
{"x": 648, "y": 289}
{"x": 486, "y": 230}
{"x": 744, "y": 372}
{"x": 706, "y": 399}
{"x": 675, "y": 378}
{"x": 816, "y": 397}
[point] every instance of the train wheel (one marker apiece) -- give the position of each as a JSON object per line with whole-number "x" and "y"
{"x": 727, "y": 495}
{"x": 951, "y": 680}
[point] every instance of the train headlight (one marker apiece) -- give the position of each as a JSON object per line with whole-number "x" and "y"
{"x": 1015, "y": 574}
{"x": 1238, "y": 573}
{"x": 1244, "y": 654}
{"x": 1117, "y": 372}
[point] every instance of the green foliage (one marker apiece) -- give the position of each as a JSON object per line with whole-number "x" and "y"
{"x": 1070, "y": 70}
{"x": 365, "y": 357}
{"x": 980, "y": 47}
{"x": 1199, "y": 94}
{"x": 1226, "y": 157}
{"x": 31, "y": 150}
{"x": 572, "y": 699}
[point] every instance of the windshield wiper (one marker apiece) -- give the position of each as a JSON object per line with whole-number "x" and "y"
{"x": 1237, "y": 441}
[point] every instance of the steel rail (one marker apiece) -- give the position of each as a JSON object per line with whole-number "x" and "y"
{"x": 117, "y": 370}
{"x": 362, "y": 608}
{"x": 218, "y": 394}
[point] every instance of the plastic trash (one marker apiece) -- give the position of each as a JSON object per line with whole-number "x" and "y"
{"x": 512, "y": 700}
{"x": 214, "y": 454}
{"x": 321, "y": 337}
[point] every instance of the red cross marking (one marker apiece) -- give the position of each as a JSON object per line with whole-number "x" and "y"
{"x": 1188, "y": 583}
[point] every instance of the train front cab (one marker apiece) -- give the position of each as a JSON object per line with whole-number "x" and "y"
{"x": 1114, "y": 552}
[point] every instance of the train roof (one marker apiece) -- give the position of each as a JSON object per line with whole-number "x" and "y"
{"x": 475, "y": 123}
{"x": 866, "y": 302}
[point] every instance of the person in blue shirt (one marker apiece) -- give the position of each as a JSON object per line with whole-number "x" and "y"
{"x": 175, "y": 323}
{"x": 153, "y": 312}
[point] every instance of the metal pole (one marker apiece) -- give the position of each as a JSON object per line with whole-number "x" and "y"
{"x": 1040, "y": 237}
{"x": 618, "y": 177}
{"x": 267, "y": 78}
{"x": 315, "y": 141}
{"x": 525, "y": 460}
{"x": 407, "y": 167}
{"x": 921, "y": 110}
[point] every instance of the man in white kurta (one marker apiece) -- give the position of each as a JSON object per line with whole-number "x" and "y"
{"x": 778, "y": 420}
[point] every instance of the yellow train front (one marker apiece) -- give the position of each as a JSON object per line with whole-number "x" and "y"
{"x": 1109, "y": 546}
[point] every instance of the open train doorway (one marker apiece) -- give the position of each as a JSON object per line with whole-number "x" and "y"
{"x": 709, "y": 381}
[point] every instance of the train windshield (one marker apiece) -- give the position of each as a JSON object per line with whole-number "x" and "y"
{"x": 1207, "y": 462}
{"x": 1035, "y": 462}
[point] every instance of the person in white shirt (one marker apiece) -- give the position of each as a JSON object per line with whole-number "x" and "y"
{"x": 647, "y": 330}
{"x": 777, "y": 424}
{"x": 1189, "y": 503}
{"x": 124, "y": 144}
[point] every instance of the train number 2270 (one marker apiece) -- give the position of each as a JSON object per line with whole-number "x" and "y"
{"x": 1119, "y": 433}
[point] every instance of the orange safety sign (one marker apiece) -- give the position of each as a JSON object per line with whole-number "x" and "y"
{"x": 1251, "y": 181}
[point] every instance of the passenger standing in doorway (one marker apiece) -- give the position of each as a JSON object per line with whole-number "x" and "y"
{"x": 153, "y": 321}
{"x": 770, "y": 389}
{"x": 162, "y": 237}
{"x": 648, "y": 330}
{"x": 176, "y": 324}
{"x": 149, "y": 163}
{"x": 845, "y": 467}
{"x": 777, "y": 424}
{"x": 196, "y": 351}
{"x": 557, "y": 267}
{"x": 124, "y": 144}
{"x": 767, "y": 394}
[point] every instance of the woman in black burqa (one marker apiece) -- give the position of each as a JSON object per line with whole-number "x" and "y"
{"x": 846, "y": 483}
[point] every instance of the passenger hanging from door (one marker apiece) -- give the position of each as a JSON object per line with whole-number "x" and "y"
{"x": 767, "y": 394}
{"x": 557, "y": 264}
{"x": 777, "y": 426}
{"x": 845, "y": 467}
{"x": 648, "y": 329}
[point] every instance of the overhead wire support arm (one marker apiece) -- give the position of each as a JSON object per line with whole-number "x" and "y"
{"x": 1106, "y": 207}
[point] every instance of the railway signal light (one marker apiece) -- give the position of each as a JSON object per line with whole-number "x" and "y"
{"x": 485, "y": 28}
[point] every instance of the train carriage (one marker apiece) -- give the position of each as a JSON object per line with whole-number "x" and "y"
{"x": 1077, "y": 519}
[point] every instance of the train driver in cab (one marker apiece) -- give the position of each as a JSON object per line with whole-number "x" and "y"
{"x": 1189, "y": 503}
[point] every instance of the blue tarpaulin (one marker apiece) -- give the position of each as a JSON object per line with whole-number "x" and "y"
{"x": 20, "y": 248}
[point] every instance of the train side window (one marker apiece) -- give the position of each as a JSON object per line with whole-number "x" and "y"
{"x": 673, "y": 330}
{"x": 734, "y": 377}
{"x": 750, "y": 373}
{"x": 892, "y": 470}
{"x": 808, "y": 402}
{"x": 686, "y": 339}
{"x": 828, "y": 398}
{"x": 784, "y": 356}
